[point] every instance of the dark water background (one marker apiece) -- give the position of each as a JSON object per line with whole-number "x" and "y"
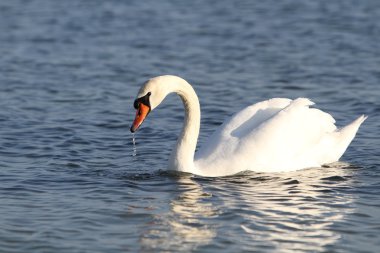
{"x": 69, "y": 71}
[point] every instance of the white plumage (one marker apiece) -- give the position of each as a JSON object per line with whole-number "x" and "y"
{"x": 275, "y": 135}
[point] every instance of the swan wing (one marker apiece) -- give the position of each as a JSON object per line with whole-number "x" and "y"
{"x": 223, "y": 144}
{"x": 274, "y": 135}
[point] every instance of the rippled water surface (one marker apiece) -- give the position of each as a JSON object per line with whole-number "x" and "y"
{"x": 69, "y": 71}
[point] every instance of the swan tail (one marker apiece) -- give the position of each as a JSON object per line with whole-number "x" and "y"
{"x": 350, "y": 130}
{"x": 345, "y": 135}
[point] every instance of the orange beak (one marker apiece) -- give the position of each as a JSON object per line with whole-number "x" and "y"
{"x": 141, "y": 113}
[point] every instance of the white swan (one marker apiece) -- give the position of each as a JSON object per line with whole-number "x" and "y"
{"x": 271, "y": 136}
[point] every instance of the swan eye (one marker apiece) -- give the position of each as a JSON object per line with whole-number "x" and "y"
{"x": 136, "y": 104}
{"x": 143, "y": 100}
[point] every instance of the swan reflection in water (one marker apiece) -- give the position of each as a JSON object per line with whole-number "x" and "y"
{"x": 284, "y": 211}
{"x": 298, "y": 210}
{"x": 188, "y": 224}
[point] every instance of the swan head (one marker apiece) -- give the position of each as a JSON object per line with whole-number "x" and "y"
{"x": 148, "y": 98}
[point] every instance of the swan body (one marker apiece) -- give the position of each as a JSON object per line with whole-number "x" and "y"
{"x": 275, "y": 135}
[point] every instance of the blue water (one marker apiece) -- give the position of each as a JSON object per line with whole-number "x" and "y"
{"x": 70, "y": 70}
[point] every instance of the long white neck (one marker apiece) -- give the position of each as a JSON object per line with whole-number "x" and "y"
{"x": 182, "y": 156}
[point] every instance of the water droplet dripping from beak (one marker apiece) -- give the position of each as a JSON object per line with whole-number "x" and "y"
{"x": 134, "y": 152}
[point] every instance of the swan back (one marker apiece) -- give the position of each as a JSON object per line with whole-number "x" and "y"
{"x": 274, "y": 135}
